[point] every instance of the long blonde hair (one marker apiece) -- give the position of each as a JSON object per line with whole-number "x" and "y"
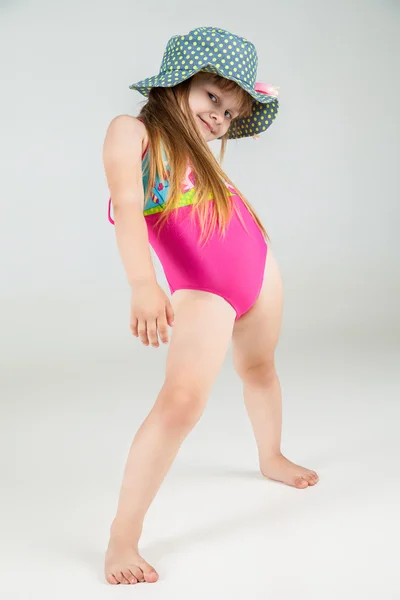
{"x": 169, "y": 119}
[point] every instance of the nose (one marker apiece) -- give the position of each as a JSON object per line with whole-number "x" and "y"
{"x": 216, "y": 117}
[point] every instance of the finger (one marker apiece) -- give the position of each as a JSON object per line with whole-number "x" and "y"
{"x": 134, "y": 327}
{"x": 162, "y": 327}
{"x": 152, "y": 332}
{"x": 170, "y": 314}
{"x": 142, "y": 331}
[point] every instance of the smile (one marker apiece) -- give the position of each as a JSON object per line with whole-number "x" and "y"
{"x": 205, "y": 124}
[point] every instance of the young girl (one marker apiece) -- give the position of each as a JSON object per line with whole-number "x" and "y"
{"x": 168, "y": 189}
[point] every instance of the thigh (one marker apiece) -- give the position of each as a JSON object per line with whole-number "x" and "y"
{"x": 199, "y": 341}
{"x": 256, "y": 333}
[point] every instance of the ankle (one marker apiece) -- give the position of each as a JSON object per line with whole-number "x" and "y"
{"x": 271, "y": 455}
{"x": 126, "y": 528}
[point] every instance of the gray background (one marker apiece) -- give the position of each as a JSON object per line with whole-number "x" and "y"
{"x": 75, "y": 385}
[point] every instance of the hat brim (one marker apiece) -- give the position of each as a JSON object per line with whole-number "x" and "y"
{"x": 261, "y": 118}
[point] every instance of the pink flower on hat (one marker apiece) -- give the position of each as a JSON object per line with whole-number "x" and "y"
{"x": 264, "y": 88}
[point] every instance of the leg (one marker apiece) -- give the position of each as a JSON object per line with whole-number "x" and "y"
{"x": 254, "y": 340}
{"x": 199, "y": 343}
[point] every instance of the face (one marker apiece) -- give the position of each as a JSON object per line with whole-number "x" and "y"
{"x": 213, "y": 109}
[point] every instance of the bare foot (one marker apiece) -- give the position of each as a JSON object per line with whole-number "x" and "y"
{"x": 280, "y": 468}
{"x": 124, "y": 564}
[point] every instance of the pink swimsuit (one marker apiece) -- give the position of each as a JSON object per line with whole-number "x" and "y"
{"x": 231, "y": 267}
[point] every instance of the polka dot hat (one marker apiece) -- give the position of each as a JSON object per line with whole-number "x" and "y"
{"x": 217, "y": 51}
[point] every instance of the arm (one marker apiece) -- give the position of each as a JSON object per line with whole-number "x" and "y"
{"x": 122, "y": 158}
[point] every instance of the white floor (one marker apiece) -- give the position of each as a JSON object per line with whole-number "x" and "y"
{"x": 217, "y": 529}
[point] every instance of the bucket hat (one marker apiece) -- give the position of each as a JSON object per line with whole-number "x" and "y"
{"x": 217, "y": 51}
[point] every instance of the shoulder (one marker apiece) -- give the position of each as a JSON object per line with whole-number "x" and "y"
{"x": 127, "y": 125}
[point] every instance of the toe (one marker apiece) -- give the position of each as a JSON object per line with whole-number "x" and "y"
{"x": 149, "y": 573}
{"x": 308, "y": 477}
{"x": 119, "y": 577}
{"x": 300, "y": 482}
{"x": 111, "y": 579}
{"x": 137, "y": 573}
{"x": 124, "y": 580}
{"x": 151, "y": 576}
{"x": 128, "y": 575}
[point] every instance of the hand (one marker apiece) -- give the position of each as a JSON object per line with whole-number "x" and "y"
{"x": 151, "y": 313}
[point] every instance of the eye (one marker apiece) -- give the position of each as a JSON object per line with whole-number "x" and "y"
{"x": 212, "y": 96}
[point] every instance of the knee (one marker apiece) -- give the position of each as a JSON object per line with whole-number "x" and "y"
{"x": 259, "y": 374}
{"x": 178, "y": 406}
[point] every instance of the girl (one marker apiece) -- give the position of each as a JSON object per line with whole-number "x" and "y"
{"x": 168, "y": 189}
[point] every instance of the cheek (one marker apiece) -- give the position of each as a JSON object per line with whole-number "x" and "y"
{"x": 194, "y": 102}
{"x": 196, "y": 107}
{"x": 190, "y": 100}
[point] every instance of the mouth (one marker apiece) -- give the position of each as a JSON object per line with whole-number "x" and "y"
{"x": 206, "y": 125}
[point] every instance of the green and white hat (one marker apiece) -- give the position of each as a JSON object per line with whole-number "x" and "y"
{"x": 217, "y": 51}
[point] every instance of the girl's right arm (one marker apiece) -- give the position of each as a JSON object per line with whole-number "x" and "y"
{"x": 122, "y": 158}
{"x": 151, "y": 309}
